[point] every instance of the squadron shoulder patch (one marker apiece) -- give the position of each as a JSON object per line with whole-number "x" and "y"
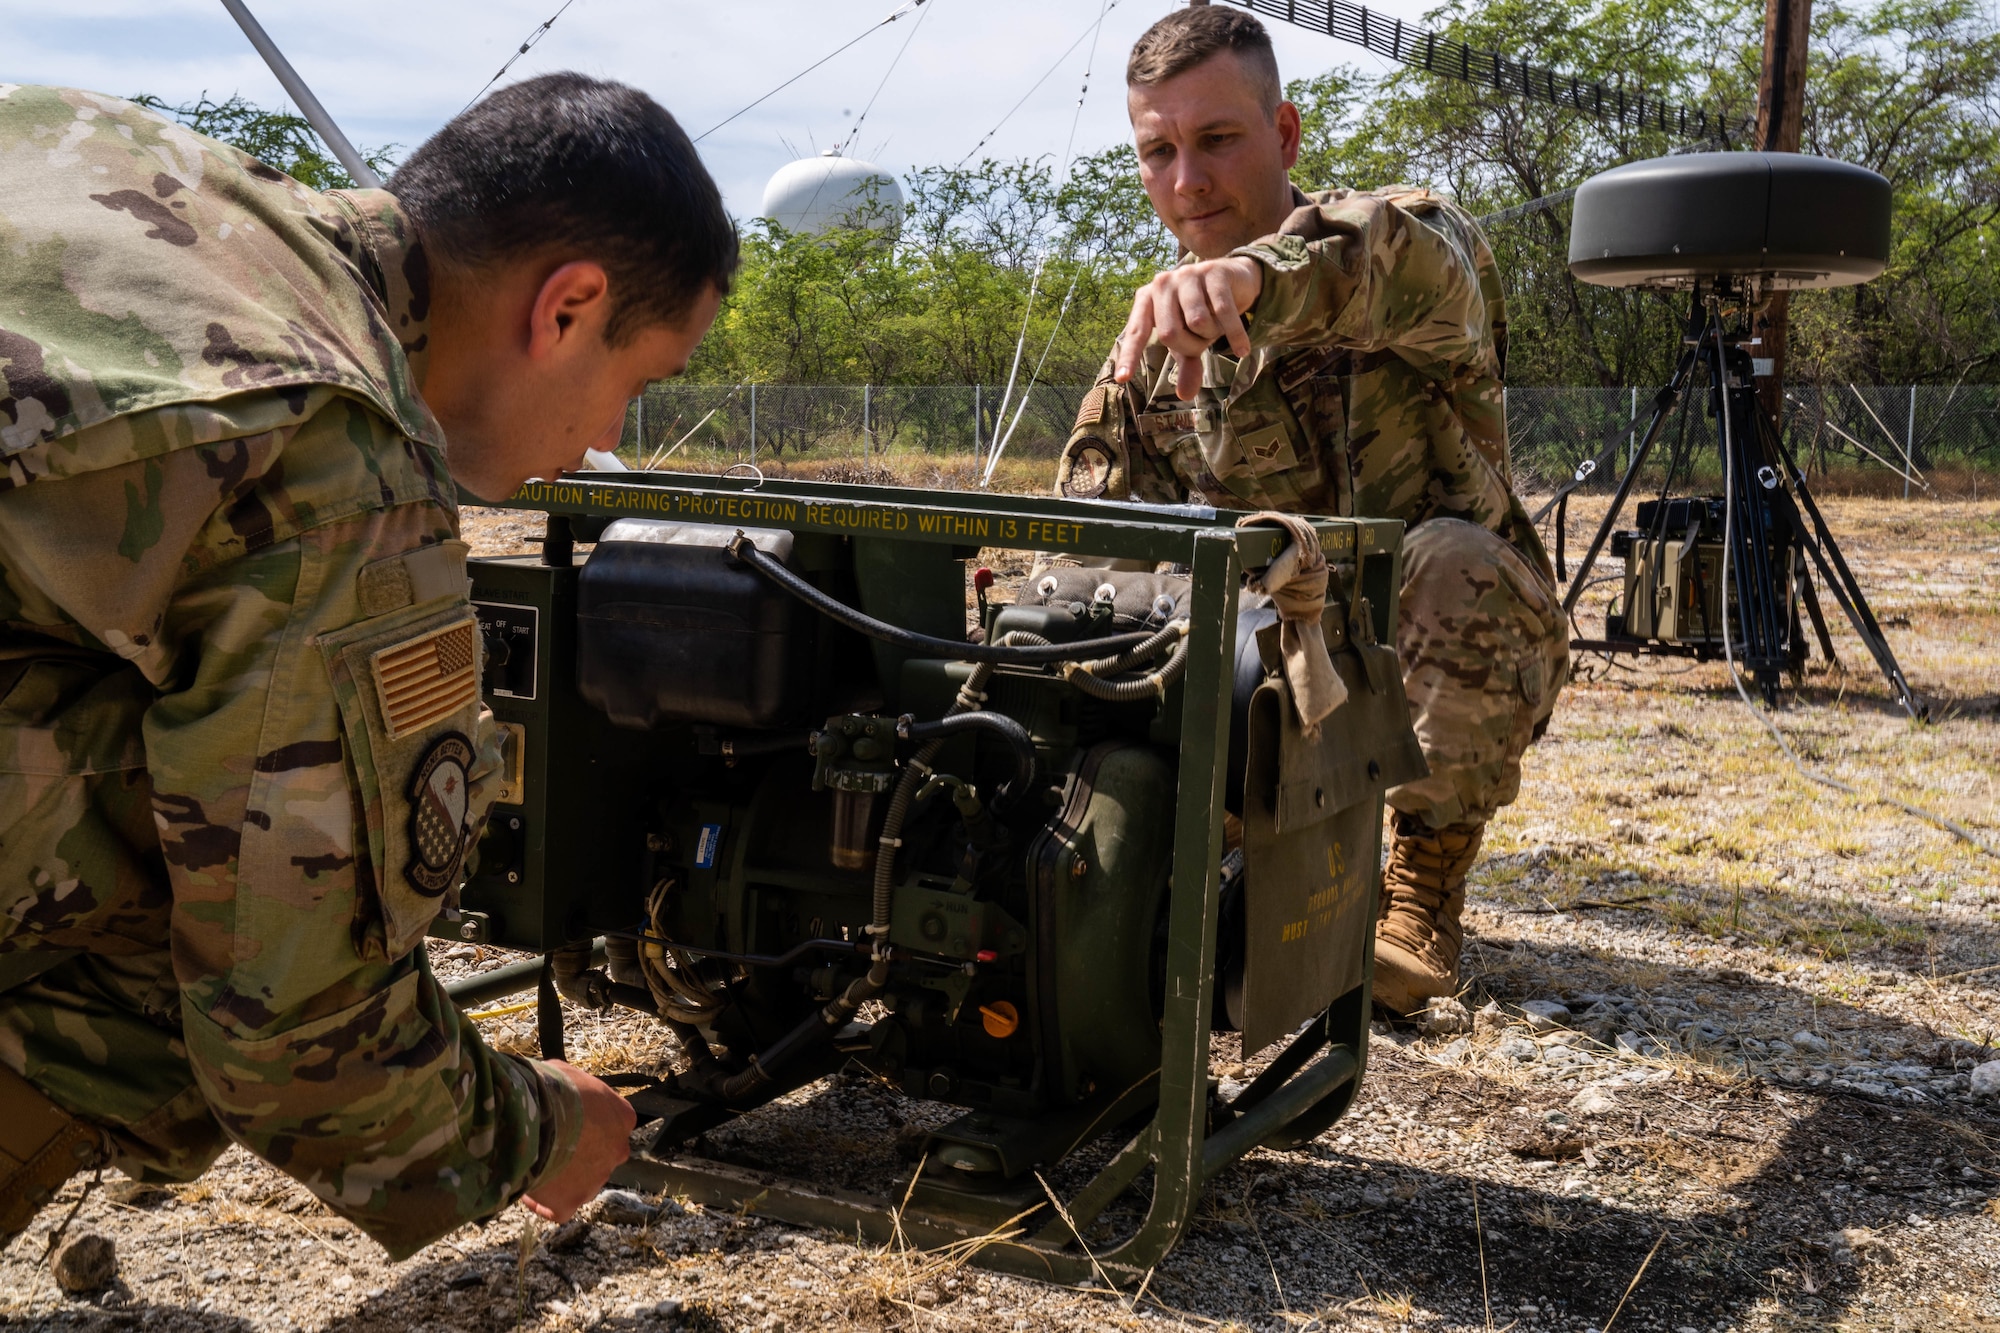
{"x": 438, "y": 802}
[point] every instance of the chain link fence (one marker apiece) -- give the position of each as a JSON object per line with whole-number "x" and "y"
{"x": 1831, "y": 429}
{"x": 1843, "y": 431}
{"x": 700, "y": 426}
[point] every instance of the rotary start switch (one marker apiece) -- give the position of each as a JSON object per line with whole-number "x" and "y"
{"x": 507, "y": 643}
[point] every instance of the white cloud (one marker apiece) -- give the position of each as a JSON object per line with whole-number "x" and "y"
{"x": 394, "y": 70}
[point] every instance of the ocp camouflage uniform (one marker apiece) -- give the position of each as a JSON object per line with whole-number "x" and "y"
{"x": 1373, "y": 388}
{"x": 241, "y": 742}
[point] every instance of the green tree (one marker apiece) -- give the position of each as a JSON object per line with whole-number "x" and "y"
{"x": 1493, "y": 152}
{"x": 1908, "y": 88}
{"x": 279, "y": 139}
{"x": 947, "y": 301}
{"x": 1905, "y": 87}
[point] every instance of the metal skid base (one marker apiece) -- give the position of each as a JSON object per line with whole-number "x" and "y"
{"x": 1019, "y": 1228}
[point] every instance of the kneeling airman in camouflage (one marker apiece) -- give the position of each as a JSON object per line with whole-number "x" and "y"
{"x": 1366, "y": 333}
{"x": 242, "y": 750}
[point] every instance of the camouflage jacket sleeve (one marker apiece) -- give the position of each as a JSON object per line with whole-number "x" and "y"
{"x": 1373, "y": 271}
{"x": 297, "y": 599}
{"x": 1105, "y": 459}
{"x": 1403, "y": 280}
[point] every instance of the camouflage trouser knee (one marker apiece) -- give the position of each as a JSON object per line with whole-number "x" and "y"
{"x": 97, "y": 1033}
{"x": 1484, "y": 653}
{"x": 88, "y": 1033}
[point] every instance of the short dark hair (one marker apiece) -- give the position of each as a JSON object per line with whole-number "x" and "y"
{"x": 572, "y": 163}
{"x": 1187, "y": 37}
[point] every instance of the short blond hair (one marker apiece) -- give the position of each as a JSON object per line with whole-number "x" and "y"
{"x": 1187, "y": 37}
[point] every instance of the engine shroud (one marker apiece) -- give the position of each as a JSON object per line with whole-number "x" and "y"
{"x": 703, "y": 767}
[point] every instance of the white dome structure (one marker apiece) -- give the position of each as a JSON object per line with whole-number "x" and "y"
{"x": 814, "y": 194}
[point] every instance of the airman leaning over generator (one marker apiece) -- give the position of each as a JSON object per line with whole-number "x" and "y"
{"x": 242, "y": 747}
{"x": 1366, "y": 335}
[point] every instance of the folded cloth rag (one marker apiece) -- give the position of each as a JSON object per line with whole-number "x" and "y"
{"x": 1295, "y": 581}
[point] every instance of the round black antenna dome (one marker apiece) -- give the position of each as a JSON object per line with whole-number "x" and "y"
{"x": 1778, "y": 220}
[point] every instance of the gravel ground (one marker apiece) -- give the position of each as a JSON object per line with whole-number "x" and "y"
{"x": 1718, "y": 1058}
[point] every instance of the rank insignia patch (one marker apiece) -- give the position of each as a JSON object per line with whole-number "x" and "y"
{"x": 438, "y": 802}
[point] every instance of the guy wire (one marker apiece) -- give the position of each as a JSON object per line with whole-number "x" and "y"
{"x": 531, "y": 40}
{"x": 1034, "y": 283}
{"x": 855, "y": 132}
{"x": 881, "y": 23}
{"x": 1046, "y": 74}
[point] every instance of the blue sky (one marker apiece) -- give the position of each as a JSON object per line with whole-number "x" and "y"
{"x": 393, "y": 72}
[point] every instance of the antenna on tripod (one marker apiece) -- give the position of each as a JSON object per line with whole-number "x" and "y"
{"x": 1728, "y": 576}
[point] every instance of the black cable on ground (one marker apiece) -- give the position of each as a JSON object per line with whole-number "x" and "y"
{"x": 1736, "y": 678}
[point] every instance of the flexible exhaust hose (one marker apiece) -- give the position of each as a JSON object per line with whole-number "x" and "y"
{"x": 1131, "y": 689}
{"x": 1041, "y": 653}
{"x": 1171, "y": 635}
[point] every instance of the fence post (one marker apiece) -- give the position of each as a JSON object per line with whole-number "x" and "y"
{"x": 1631, "y": 444}
{"x": 867, "y": 417}
{"x": 1909, "y": 442}
{"x": 753, "y": 425}
{"x": 975, "y": 422}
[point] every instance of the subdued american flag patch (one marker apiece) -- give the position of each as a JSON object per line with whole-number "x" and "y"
{"x": 1094, "y": 406}
{"x": 423, "y": 681}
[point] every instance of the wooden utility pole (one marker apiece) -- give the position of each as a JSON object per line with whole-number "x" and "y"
{"x": 1781, "y": 101}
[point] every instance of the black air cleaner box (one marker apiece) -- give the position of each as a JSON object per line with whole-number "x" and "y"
{"x": 670, "y": 628}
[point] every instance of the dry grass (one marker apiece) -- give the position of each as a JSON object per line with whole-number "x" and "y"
{"x": 1654, "y": 781}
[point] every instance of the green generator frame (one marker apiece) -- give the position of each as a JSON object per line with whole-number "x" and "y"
{"x": 1190, "y": 1136}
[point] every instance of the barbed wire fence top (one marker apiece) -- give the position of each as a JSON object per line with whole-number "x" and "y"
{"x": 1832, "y": 429}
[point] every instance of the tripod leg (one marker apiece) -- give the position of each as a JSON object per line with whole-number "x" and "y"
{"x": 1562, "y": 531}
{"x": 1663, "y": 403}
{"x": 1811, "y": 599}
{"x": 1840, "y": 581}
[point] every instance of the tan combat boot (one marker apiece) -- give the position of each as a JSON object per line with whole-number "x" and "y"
{"x": 1417, "y": 935}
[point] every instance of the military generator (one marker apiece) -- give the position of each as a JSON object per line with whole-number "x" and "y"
{"x": 789, "y": 772}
